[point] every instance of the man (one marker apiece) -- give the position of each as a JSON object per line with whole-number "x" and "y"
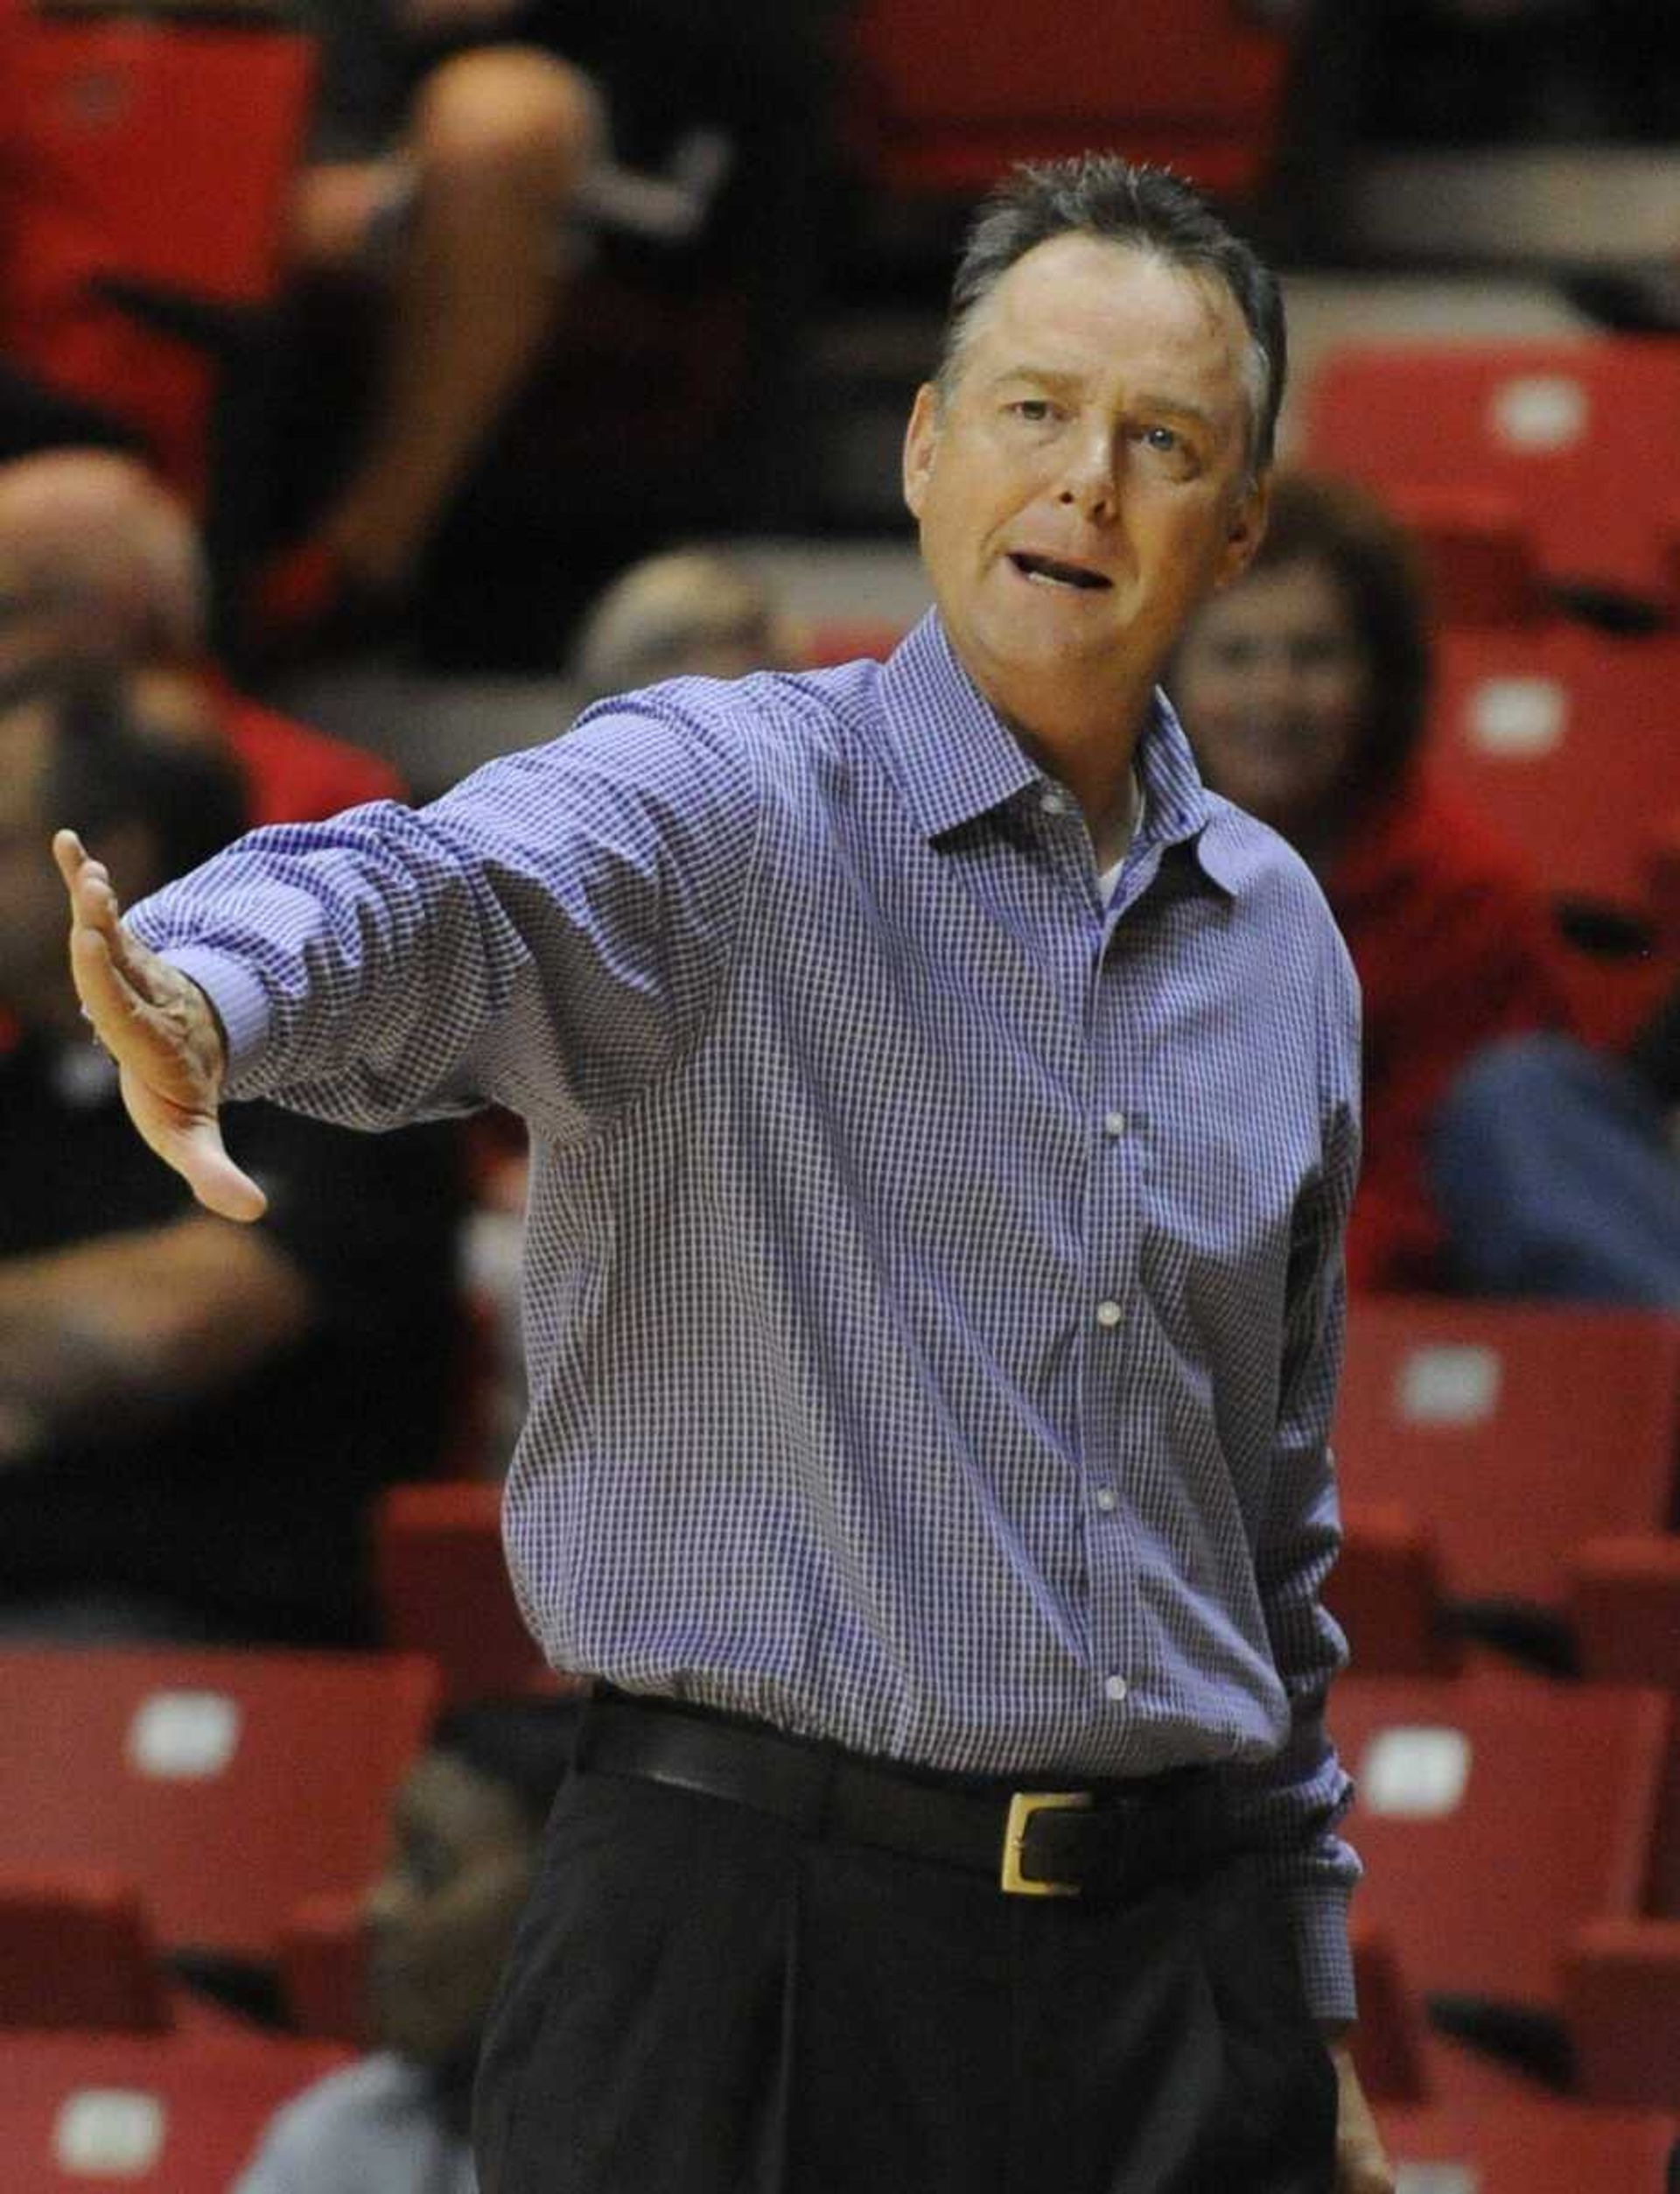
{"x": 466, "y": 1835}
{"x": 685, "y": 612}
{"x": 943, "y": 1121}
{"x": 102, "y": 570}
{"x": 193, "y": 1415}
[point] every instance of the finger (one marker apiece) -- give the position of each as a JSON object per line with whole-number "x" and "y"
{"x": 92, "y": 903}
{"x": 81, "y": 872}
{"x": 107, "y": 997}
{"x": 217, "y": 1183}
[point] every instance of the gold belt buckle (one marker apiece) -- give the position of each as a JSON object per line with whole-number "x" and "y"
{"x": 1022, "y": 1806}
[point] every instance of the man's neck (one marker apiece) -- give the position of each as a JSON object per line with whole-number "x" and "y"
{"x": 1095, "y": 763}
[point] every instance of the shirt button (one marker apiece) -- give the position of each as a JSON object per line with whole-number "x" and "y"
{"x": 1108, "y": 1314}
{"x": 1116, "y": 1688}
{"x": 1053, "y": 803}
{"x": 1114, "y": 1123}
{"x": 1107, "y": 1499}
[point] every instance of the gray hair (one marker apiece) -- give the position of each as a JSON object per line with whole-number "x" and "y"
{"x": 1148, "y": 209}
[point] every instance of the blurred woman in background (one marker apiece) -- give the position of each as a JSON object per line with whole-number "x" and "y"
{"x": 1304, "y": 689}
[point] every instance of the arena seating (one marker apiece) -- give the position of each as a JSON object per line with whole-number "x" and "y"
{"x": 1622, "y": 1995}
{"x": 76, "y": 1950}
{"x": 1498, "y": 1814}
{"x": 150, "y": 2116}
{"x": 442, "y": 1581}
{"x": 1529, "y": 2145}
{"x": 1558, "y": 736}
{"x": 1385, "y": 1591}
{"x": 948, "y": 94}
{"x": 1565, "y": 431}
{"x": 194, "y": 1773}
{"x": 1514, "y": 1432}
{"x": 144, "y": 197}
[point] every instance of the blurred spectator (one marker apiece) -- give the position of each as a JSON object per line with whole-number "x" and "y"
{"x": 193, "y": 1414}
{"x": 1304, "y": 689}
{"x": 480, "y": 154}
{"x": 466, "y": 1831}
{"x": 1556, "y": 1169}
{"x": 687, "y": 614}
{"x": 450, "y": 171}
{"x": 102, "y": 568}
{"x": 1479, "y": 72}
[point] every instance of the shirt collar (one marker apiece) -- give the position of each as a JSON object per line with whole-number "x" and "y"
{"x": 956, "y": 759}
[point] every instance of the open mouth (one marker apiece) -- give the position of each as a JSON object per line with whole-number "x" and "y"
{"x": 1050, "y": 570}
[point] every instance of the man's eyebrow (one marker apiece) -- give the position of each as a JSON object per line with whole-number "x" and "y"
{"x": 1041, "y": 377}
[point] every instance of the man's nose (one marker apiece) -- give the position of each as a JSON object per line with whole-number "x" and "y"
{"x": 1090, "y": 483}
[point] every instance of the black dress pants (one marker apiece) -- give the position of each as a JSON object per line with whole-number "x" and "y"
{"x": 702, "y": 2000}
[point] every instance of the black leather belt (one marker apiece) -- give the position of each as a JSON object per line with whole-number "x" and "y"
{"x": 1106, "y": 1839}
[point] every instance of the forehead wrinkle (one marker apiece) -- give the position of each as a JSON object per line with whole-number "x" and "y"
{"x": 992, "y": 307}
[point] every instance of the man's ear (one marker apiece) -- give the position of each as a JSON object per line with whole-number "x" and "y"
{"x": 1246, "y": 531}
{"x": 921, "y": 440}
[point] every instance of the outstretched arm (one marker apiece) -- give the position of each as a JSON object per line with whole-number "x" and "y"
{"x": 161, "y": 1031}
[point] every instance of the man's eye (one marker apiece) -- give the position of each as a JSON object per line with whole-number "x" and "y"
{"x": 1162, "y": 439}
{"x": 1034, "y": 410}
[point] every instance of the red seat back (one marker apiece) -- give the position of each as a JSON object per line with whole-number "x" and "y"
{"x": 227, "y": 1785}
{"x": 76, "y": 1950}
{"x": 442, "y": 1580}
{"x": 950, "y": 94}
{"x": 323, "y": 1969}
{"x": 1529, "y": 2146}
{"x": 172, "y": 2116}
{"x": 1622, "y": 1998}
{"x": 1566, "y": 743}
{"x": 1512, "y": 1431}
{"x": 1572, "y": 432}
{"x": 1385, "y": 1592}
{"x": 1496, "y": 1815}
{"x": 159, "y": 153}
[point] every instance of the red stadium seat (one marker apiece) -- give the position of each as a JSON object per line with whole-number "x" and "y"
{"x": 1513, "y": 1432}
{"x": 1497, "y": 1815}
{"x": 1564, "y": 742}
{"x": 442, "y": 1581}
{"x": 1389, "y": 2043}
{"x": 949, "y": 94}
{"x": 1625, "y": 1608}
{"x": 1529, "y": 2146}
{"x": 76, "y": 1950}
{"x": 147, "y": 2116}
{"x": 323, "y": 1967}
{"x": 227, "y": 1785}
{"x": 1622, "y": 2000}
{"x": 159, "y": 154}
{"x": 1625, "y": 1613}
{"x": 1385, "y": 1592}
{"x": 1480, "y": 552}
{"x": 1569, "y": 431}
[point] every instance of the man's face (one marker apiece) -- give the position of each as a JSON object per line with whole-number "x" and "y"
{"x": 1085, "y": 483}
{"x": 1275, "y": 690}
{"x": 442, "y": 1916}
{"x": 34, "y": 971}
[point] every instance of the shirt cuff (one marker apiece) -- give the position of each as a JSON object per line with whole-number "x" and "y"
{"x": 238, "y": 996}
{"x": 1320, "y": 1916}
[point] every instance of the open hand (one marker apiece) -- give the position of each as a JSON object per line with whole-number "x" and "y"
{"x": 161, "y": 1031}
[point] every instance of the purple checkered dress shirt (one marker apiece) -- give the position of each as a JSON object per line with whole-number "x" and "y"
{"x": 932, "y": 1279}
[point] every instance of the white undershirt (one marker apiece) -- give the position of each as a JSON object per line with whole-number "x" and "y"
{"x": 1109, "y": 878}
